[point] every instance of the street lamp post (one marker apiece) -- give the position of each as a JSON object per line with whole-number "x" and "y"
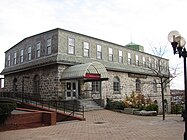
{"x": 178, "y": 43}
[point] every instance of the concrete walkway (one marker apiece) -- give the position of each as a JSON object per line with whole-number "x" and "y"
{"x": 106, "y": 125}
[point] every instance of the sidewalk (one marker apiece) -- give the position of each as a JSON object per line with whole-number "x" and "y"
{"x": 106, "y": 125}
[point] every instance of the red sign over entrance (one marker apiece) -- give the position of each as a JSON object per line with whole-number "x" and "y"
{"x": 92, "y": 76}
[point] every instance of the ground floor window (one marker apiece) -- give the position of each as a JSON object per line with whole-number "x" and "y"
{"x": 116, "y": 85}
{"x": 15, "y": 89}
{"x": 138, "y": 85}
{"x": 36, "y": 85}
{"x": 95, "y": 86}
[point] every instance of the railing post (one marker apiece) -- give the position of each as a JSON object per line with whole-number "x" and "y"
{"x": 64, "y": 107}
{"x": 73, "y": 107}
{"x": 56, "y": 104}
{"x": 83, "y": 111}
{"x": 42, "y": 103}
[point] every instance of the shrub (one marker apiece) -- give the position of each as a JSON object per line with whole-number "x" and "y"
{"x": 114, "y": 105}
{"x": 177, "y": 109}
{"x": 5, "y": 109}
{"x": 151, "y": 107}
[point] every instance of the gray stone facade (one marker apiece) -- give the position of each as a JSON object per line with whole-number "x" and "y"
{"x": 49, "y": 67}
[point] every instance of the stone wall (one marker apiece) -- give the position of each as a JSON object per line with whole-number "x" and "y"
{"x": 48, "y": 76}
{"x": 128, "y": 84}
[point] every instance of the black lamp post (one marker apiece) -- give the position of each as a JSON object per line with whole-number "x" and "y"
{"x": 178, "y": 43}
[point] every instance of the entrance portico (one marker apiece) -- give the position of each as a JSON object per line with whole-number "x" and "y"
{"x": 76, "y": 76}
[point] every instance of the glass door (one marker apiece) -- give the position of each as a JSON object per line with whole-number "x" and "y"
{"x": 71, "y": 90}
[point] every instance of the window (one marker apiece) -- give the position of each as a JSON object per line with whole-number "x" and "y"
{"x": 95, "y": 86}
{"x": 36, "y": 86}
{"x": 37, "y": 50}
{"x": 155, "y": 65}
{"x": 99, "y": 52}
{"x": 137, "y": 60}
{"x": 15, "y": 58}
{"x": 8, "y": 60}
{"x": 15, "y": 86}
{"x": 21, "y": 56}
{"x": 138, "y": 85}
{"x": 149, "y": 63}
{"x": 86, "y": 49}
{"x": 49, "y": 46}
{"x": 120, "y": 56}
{"x": 129, "y": 58}
{"x": 167, "y": 67}
{"x": 110, "y": 51}
{"x": 71, "y": 46}
{"x": 29, "y": 53}
{"x": 144, "y": 62}
{"x": 116, "y": 85}
{"x": 154, "y": 86}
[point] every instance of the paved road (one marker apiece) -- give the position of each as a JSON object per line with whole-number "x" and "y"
{"x": 106, "y": 125}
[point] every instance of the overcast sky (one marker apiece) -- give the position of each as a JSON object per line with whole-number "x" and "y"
{"x": 144, "y": 22}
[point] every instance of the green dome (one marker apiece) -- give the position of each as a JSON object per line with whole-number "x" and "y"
{"x": 135, "y": 47}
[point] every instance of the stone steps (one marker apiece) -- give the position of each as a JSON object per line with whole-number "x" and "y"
{"x": 89, "y": 105}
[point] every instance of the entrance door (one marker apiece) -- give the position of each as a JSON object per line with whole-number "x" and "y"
{"x": 71, "y": 90}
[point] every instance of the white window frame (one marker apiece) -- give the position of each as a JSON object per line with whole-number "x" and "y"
{"x": 71, "y": 45}
{"x": 15, "y": 58}
{"x": 21, "y": 56}
{"x": 137, "y": 60}
{"x": 99, "y": 52}
{"x": 95, "y": 86}
{"x": 86, "y": 47}
{"x": 49, "y": 51}
{"x": 29, "y": 53}
{"x": 38, "y": 48}
{"x": 129, "y": 60}
{"x": 110, "y": 54}
{"x": 8, "y": 60}
{"x": 120, "y": 56}
{"x": 116, "y": 85}
{"x": 144, "y": 61}
{"x": 149, "y": 63}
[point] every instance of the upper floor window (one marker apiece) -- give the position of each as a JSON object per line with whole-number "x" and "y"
{"x": 129, "y": 58}
{"x": 49, "y": 46}
{"x": 155, "y": 64}
{"x": 120, "y": 56}
{"x": 149, "y": 63}
{"x": 99, "y": 52}
{"x": 144, "y": 62}
{"x": 8, "y": 60}
{"x": 137, "y": 60}
{"x": 71, "y": 46}
{"x": 110, "y": 51}
{"x": 15, "y": 58}
{"x": 138, "y": 85}
{"x": 116, "y": 85}
{"x": 29, "y": 53}
{"x": 21, "y": 56}
{"x": 86, "y": 49}
{"x": 38, "y": 50}
{"x": 167, "y": 67}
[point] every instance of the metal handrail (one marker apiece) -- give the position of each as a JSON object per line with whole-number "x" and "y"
{"x": 73, "y": 108}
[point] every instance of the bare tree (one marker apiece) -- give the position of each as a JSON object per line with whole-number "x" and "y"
{"x": 162, "y": 71}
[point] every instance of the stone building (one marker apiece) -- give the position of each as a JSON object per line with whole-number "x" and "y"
{"x": 68, "y": 65}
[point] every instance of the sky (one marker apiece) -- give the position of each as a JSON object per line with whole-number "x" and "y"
{"x": 144, "y": 22}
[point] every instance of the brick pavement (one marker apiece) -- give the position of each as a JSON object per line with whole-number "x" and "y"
{"x": 106, "y": 125}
